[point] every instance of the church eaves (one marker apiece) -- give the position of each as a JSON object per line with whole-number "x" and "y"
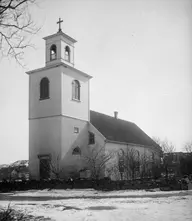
{"x": 61, "y": 34}
{"x": 59, "y": 64}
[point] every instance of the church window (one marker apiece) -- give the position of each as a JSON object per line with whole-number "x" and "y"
{"x": 44, "y": 88}
{"x": 121, "y": 161}
{"x": 67, "y": 53}
{"x": 76, "y": 151}
{"x": 75, "y": 90}
{"x": 53, "y": 52}
{"x": 91, "y": 138}
{"x": 137, "y": 155}
{"x": 137, "y": 160}
{"x": 76, "y": 130}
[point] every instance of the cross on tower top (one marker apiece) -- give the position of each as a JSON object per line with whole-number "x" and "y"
{"x": 59, "y": 22}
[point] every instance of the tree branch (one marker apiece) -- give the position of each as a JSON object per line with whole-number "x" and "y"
{"x": 16, "y": 28}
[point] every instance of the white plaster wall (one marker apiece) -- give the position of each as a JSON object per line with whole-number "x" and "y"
{"x": 68, "y": 135}
{"x": 70, "y": 140}
{"x": 48, "y": 107}
{"x": 98, "y": 147}
{"x": 115, "y": 148}
{"x": 74, "y": 163}
{"x": 44, "y": 138}
{"x": 76, "y": 109}
{"x": 142, "y": 149}
{"x": 52, "y": 121}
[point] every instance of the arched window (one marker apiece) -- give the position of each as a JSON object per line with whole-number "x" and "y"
{"x": 137, "y": 160}
{"x": 44, "y": 88}
{"x": 76, "y": 151}
{"x": 137, "y": 155}
{"x": 67, "y": 53}
{"x": 53, "y": 52}
{"x": 121, "y": 155}
{"x": 76, "y": 90}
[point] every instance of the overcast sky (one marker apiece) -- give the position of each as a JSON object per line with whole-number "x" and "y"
{"x": 139, "y": 53}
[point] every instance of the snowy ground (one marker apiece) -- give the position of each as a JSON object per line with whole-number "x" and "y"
{"x": 91, "y": 205}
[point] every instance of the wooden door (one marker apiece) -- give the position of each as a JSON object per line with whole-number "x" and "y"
{"x": 44, "y": 168}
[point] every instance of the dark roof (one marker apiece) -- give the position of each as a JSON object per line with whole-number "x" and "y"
{"x": 119, "y": 130}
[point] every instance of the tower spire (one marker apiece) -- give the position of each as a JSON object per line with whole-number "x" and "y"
{"x": 59, "y": 22}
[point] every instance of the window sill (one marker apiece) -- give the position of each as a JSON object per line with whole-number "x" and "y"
{"x": 41, "y": 99}
{"x": 73, "y": 99}
{"x": 53, "y": 59}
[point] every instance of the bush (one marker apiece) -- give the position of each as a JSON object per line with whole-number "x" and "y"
{"x": 102, "y": 184}
{"x": 10, "y": 214}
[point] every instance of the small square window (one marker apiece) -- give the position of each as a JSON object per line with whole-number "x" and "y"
{"x": 91, "y": 138}
{"x": 76, "y": 130}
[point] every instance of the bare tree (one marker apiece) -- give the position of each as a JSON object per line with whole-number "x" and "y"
{"x": 166, "y": 145}
{"x": 96, "y": 159}
{"x": 168, "y": 148}
{"x": 52, "y": 168}
{"x": 132, "y": 162}
{"x": 129, "y": 163}
{"x": 144, "y": 161}
{"x": 188, "y": 147}
{"x": 55, "y": 168}
{"x": 16, "y": 27}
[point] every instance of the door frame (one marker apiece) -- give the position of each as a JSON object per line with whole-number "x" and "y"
{"x": 44, "y": 157}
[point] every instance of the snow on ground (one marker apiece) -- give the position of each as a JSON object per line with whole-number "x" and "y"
{"x": 3, "y": 166}
{"x": 127, "y": 208}
{"x": 86, "y": 193}
{"x": 20, "y": 163}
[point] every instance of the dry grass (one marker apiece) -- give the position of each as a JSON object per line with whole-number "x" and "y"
{"x": 10, "y": 214}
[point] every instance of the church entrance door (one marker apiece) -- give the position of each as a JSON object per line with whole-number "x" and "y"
{"x": 44, "y": 167}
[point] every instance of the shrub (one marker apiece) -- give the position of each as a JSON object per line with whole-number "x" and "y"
{"x": 10, "y": 214}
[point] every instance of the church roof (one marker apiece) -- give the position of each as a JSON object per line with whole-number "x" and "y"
{"x": 60, "y": 33}
{"x": 118, "y": 130}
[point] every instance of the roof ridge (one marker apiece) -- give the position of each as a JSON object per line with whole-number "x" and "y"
{"x": 114, "y": 117}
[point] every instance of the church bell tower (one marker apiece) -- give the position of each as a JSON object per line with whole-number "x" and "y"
{"x": 59, "y": 48}
{"x": 58, "y": 105}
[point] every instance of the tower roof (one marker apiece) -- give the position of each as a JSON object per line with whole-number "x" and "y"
{"x": 60, "y": 33}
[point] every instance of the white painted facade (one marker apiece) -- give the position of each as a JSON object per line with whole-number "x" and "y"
{"x": 144, "y": 151}
{"x": 52, "y": 121}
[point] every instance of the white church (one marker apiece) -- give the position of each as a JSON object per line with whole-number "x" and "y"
{"x": 62, "y": 128}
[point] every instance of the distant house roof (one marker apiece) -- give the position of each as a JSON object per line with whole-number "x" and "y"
{"x": 118, "y": 130}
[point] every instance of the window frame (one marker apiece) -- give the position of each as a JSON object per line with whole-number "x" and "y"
{"x": 121, "y": 161}
{"x": 91, "y": 140}
{"x": 137, "y": 160}
{"x": 51, "y": 55}
{"x": 42, "y": 92}
{"x": 75, "y": 152}
{"x": 76, "y": 130}
{"x": 76, "y": 90}
{"x": 67, "y": 53}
